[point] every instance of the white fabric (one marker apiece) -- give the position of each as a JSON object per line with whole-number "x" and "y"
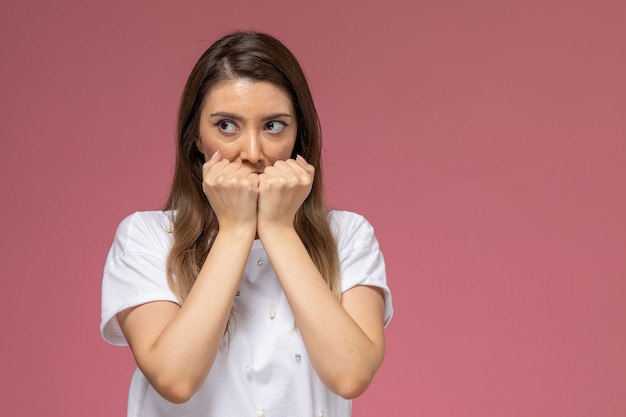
{"x": 264, "y": 370}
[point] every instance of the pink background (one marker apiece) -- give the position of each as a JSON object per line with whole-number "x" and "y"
{"x": 484, "y": 140}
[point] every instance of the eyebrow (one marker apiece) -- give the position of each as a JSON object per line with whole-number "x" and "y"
{"x": 239, "y": 118}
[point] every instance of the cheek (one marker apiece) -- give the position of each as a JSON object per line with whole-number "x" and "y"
{"x": 209, "y": 145}
{"x": 281, "y": 153}
{"x": 203, "y": 143}
{"x": 286, "y": 150}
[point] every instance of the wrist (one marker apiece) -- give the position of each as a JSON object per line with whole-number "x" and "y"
{"x": 238, "y": 232}
{"x": 276, "y": 231}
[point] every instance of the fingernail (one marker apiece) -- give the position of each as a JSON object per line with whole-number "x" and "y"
{"x": 300, "y": 158}
{"x": 215, "y": 154}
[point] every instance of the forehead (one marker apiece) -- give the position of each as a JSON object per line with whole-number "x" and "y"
{"x": 245, "y": 96}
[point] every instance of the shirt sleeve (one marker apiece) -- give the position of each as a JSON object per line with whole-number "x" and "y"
{"x": 134, "y": 272}
{"x": 361, "y": 261}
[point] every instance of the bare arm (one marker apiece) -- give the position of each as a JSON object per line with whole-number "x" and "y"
{"x": 175, "y": 347}
{"x": 345, "y": 340}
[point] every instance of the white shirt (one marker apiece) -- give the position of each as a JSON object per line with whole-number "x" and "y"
{"x": 264, "y": 369}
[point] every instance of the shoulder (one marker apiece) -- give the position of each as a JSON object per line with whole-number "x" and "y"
{"x": 143, "y": 231}
{"x": 343, "y": 216}
{"x": 344, "y": 221}
{"x": 350, "y": 228}
{"x": 153, "y": 220}
{"x": 361, "y": 261}
{"x": 135, "y": 269}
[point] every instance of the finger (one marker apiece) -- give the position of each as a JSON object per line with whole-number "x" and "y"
{"x": 304, "y": 164}
{"x": 215, "y": 158}
{"x": 280, "y": 173}
{"x": 274, "y": 170}
{"x": 304, "y": 172}
{"x": 286, "y": 167}
{"x": 225, "y": 172}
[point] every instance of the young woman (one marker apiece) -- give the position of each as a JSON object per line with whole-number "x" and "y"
{"x": 245, "y": 296}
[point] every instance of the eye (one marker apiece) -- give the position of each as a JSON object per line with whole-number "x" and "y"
{"x": 275, "y": 126}
{"x": 226, "y": 126}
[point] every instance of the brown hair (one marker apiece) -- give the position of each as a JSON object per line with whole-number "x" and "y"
{"x": 258, "y": 57}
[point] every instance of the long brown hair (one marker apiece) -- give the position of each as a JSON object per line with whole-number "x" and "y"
{"x": 258, "y": 57}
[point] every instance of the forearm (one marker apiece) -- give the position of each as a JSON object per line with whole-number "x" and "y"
{"x": 177, "y": 359}
{"x": 344, "y": 355}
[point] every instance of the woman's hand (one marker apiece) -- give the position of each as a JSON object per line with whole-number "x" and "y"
{"x": 283, "y": 187}
{"x": 175, "y": 346}
{"x": 232, "y": 190}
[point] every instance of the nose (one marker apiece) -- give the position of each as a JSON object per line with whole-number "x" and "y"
{"x": 251, "y": 149}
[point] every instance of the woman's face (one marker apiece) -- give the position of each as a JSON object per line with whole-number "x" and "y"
{"x": 250, "y": 122}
